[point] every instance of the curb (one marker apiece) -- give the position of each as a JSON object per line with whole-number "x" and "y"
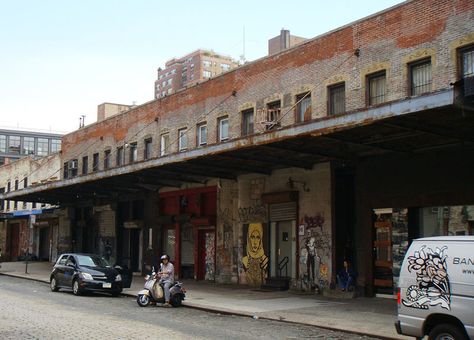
{"x": 243, "y": 314}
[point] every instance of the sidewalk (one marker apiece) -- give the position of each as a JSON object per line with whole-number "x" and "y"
{"x": 369, "y": 316}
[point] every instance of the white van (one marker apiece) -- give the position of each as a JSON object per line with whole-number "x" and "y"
{"x": 436, "y": 289}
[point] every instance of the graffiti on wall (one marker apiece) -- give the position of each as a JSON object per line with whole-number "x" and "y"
{"x": 315, "y": 253}
{"x": 256, "y": 213}
{"x": 225, "y": 241}
{"x": 210, "y": 264}
{"x": 255, "y": 263}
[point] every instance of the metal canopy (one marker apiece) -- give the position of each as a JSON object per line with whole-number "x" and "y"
{"x": 405, "y": 133}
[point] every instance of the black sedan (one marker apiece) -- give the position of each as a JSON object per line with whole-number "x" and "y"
{"x": 85, "y": 272}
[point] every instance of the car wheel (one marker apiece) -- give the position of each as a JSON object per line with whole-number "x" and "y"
{"x": 53, "y": 284}
{"x": 76, "y": 289}
{"x": 447, "y": 331}
{"x": 176, "y": 300}
{"x": 143, "y": 300}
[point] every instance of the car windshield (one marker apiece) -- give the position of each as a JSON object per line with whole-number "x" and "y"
{"x": 92, "y": 261}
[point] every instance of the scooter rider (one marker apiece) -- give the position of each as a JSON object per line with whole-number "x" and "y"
{"x": 166, "y": 275}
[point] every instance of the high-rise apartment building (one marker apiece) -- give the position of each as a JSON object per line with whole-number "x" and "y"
{"x": 190, "y": 69}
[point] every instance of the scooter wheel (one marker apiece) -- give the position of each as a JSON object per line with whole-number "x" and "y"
{"x": 143, "y": 300}
{"x": 176, "y": 300}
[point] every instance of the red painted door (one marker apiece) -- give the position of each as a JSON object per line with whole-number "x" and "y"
{"x": 206, "y": 255}
{"x": 15, "y": 241}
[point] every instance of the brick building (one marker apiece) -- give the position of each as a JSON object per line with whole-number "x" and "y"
{"x": 186, "y": 71}
{"x": 28, "y": 226}
{"x": 286, "y": 166}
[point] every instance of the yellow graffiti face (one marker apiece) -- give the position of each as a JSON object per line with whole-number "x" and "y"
{"x": 255, "y": 240}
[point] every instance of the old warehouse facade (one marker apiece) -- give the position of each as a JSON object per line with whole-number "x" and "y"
{"x": 280, "y": 168}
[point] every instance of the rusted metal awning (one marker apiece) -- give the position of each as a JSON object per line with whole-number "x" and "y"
{"x": 405, "y": 127}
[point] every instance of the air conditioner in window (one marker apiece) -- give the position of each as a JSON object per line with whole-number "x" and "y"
{"x": 73, "y": 164}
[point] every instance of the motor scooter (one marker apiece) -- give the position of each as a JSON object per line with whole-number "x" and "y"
{"x": 153, "y": 292}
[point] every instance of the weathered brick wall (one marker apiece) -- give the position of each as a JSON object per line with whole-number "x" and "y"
{"x": 388, "y": 40}
{"x": 35, "y": 169}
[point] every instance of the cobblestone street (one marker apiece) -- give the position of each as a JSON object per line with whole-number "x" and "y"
{"x": 29, "y": 310}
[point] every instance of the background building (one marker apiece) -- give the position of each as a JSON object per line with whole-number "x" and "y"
{"x": 106, "y": 110}
{"x": 190, "y": 69}
{"x": 283, "y": 41}
{"x": 28, "y": 226}
{"x": 15, "y": 144}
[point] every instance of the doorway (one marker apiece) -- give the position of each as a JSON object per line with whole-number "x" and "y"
{"x": 132, "y": 245}
{"x": 44, "y": 244}
{"x": 283, "y": 248}
{"x": 135, "y": 249}
{"x": 14, "y": 241}
{"x": 206, "y": 254}
{"x": 344, "y": 216}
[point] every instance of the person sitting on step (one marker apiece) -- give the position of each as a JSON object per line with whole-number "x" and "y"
{"x": 346, "y": 277}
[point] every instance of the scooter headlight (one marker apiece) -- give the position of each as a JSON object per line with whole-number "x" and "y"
{"x": 86, "y": 276}
{"x": 118, "y": 277}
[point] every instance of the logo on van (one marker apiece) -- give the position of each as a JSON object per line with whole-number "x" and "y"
{"x": 432, "y": 286}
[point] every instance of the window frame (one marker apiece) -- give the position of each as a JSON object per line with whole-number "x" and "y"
{"x": 220, "y": 120}
{"x": 55, "y": 145}
{"x": 147, "y": 149}
{"x": 107, "y": 155}
{"x": 182, "y": 137}
{"x": 331, "y": 92}
{"x": 10, "y": 147}
{"x": 244, "y": 114}
{"x": 164, "y": 144}
{"x": 411, "y": 66}
{"x": 371, "y": 77}
{"x": 95, "y": 162}
{"x": 27, "y": 141}
{"x": 461, "y": 52}
{"x": 41, "y": 142}
{"x": 3, "y": 143}
{"x": 199, "y": 134}
{"x": 85, "y": 165}
{"x": 133, "y": 152}
{"x": 119, "y": 161}
{"x": 299, "y": 99}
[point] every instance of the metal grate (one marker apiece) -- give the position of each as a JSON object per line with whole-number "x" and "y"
{"x": 283, "y": 211}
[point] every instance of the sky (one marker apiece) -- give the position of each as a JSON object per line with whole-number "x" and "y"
{"x": 59, "y": 59}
